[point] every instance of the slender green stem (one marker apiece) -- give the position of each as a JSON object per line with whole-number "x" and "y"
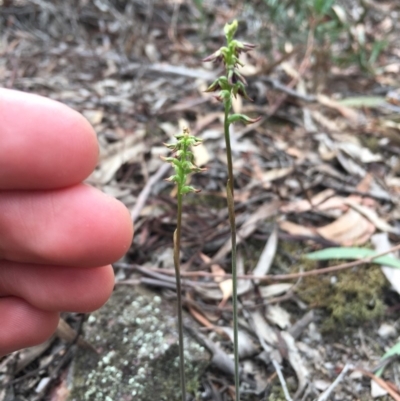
{"x": 231, "y": 209}
{"x": 228, "y": 146}
{"x": 232, "y": 220}
{"x": 177, "y": 244}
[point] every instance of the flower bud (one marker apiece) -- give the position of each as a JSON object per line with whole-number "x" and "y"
{"x": 186, "y": 189}
{"x": 214, "y": 86}
{"x": 230, "y": 30}
{"x": 241, "y": 90}
{"x": 241, "y": 47}
{"x": 242, "y": 118}
{"x": 173, "y": 178}
{"x": 216, "y": 57}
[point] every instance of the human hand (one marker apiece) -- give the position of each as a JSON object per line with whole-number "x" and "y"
{"x": 57, "y": 235}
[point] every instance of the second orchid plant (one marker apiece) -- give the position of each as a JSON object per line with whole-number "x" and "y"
{"x": 228, "y": 86}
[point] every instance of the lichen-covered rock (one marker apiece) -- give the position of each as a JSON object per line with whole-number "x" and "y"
{"x": 135, "y": 333}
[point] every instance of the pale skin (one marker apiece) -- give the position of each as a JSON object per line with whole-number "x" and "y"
{"x": 57, "y": 235}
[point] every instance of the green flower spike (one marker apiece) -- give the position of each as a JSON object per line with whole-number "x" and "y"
{"x": 233, "y": 81}
{"x": 183, "y": 161}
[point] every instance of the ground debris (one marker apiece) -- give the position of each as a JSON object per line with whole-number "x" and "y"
{"x": 322, "y": 164}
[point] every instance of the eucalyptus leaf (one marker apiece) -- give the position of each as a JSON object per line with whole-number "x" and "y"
{"x": 395, "y": 350}
{"x": 363, "y": 101}
{"x": 353, "y": 253}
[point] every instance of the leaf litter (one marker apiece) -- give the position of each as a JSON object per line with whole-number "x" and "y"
{"x": 319, "y": 170}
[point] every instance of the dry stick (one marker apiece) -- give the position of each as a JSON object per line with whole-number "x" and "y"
{"x": 282, "y": 277}
{"x": 278, "y": 371}
{"x": 325, "y": 395}
{"x": 381, "y": 383}
{"x": 331, "y": 269}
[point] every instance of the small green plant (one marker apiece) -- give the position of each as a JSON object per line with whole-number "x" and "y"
{"x": 228, "y": 86}
{"x": 183, "y": 164}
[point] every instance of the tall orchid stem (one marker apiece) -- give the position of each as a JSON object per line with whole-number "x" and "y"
{"x": 232, "y": 221}
{"x": 228, "y": 145}
{"x": 177, "y": 245}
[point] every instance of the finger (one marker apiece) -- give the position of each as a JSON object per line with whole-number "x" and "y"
{"x": 57, "y": 288}
{"x": 23, "y": 325}
{"x": 43, "y": 143}
{"x": 76, "y": 226}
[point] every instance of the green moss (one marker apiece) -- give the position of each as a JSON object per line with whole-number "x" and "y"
{"x": 371, "y": 142}
{"x": 350, "y": 297}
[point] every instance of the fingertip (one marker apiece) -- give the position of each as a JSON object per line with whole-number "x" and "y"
{"x": 99, "y": 291}
{"x": 124, "y": 230}
{"x": 91, "y": 289}
{"x": 57, "y": 288}
{"x": 23, "y": 325}
{"x": 52, "y": 146}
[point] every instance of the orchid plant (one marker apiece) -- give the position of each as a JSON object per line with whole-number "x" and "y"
{"x": 228, "y": 86}
{"x": 183, "y": 164}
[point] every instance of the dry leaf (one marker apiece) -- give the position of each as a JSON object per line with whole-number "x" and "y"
{"x": 237, "y": 104}
{"x": 381, "y": 243}
{"x": 267, "y": 256}
{"x": 358, "y": 152}
{"x": 295, "y": 229}
{"x": 263, "y": 329}
{"x": 372, "y": 217}
{"x": 334, "y": 203}
{"x": 353, "y": 116}
{"x": 305, "y": 205}
{"x": 95, "y": 117}
{"x": 28, "y": 355}
{"x": 348, "y": 230}
{"x": 277, "y": 173}
{"x": 200, "y": 317}
{"x": 365, "y": 184}
{"x": 296, "y": 361}
{"x": 350, "y": 165}
{"x": 128, "y": 149}
{"x": 226, "y": 287}
{"x": 201, "y": 155}
{"x": 247, "y": 347}
{"x": 170, "y": 129}
{"x": 68, "y": 334}
{"x": 278, "y": 316}
{"x": 218, "y": 273}
{"x": 274, "y": 290}
{"x": 263, "y": 212}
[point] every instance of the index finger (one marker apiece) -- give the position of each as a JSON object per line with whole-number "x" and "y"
{"x": 43, "y": 143}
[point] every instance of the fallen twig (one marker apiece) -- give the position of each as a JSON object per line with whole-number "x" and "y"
{"x": 281, "y": 379}
{"x": 326, "y": 394}
{"x": 278, "y": 277}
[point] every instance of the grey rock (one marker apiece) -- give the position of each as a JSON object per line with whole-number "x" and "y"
{"x": 135, "y": 334}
